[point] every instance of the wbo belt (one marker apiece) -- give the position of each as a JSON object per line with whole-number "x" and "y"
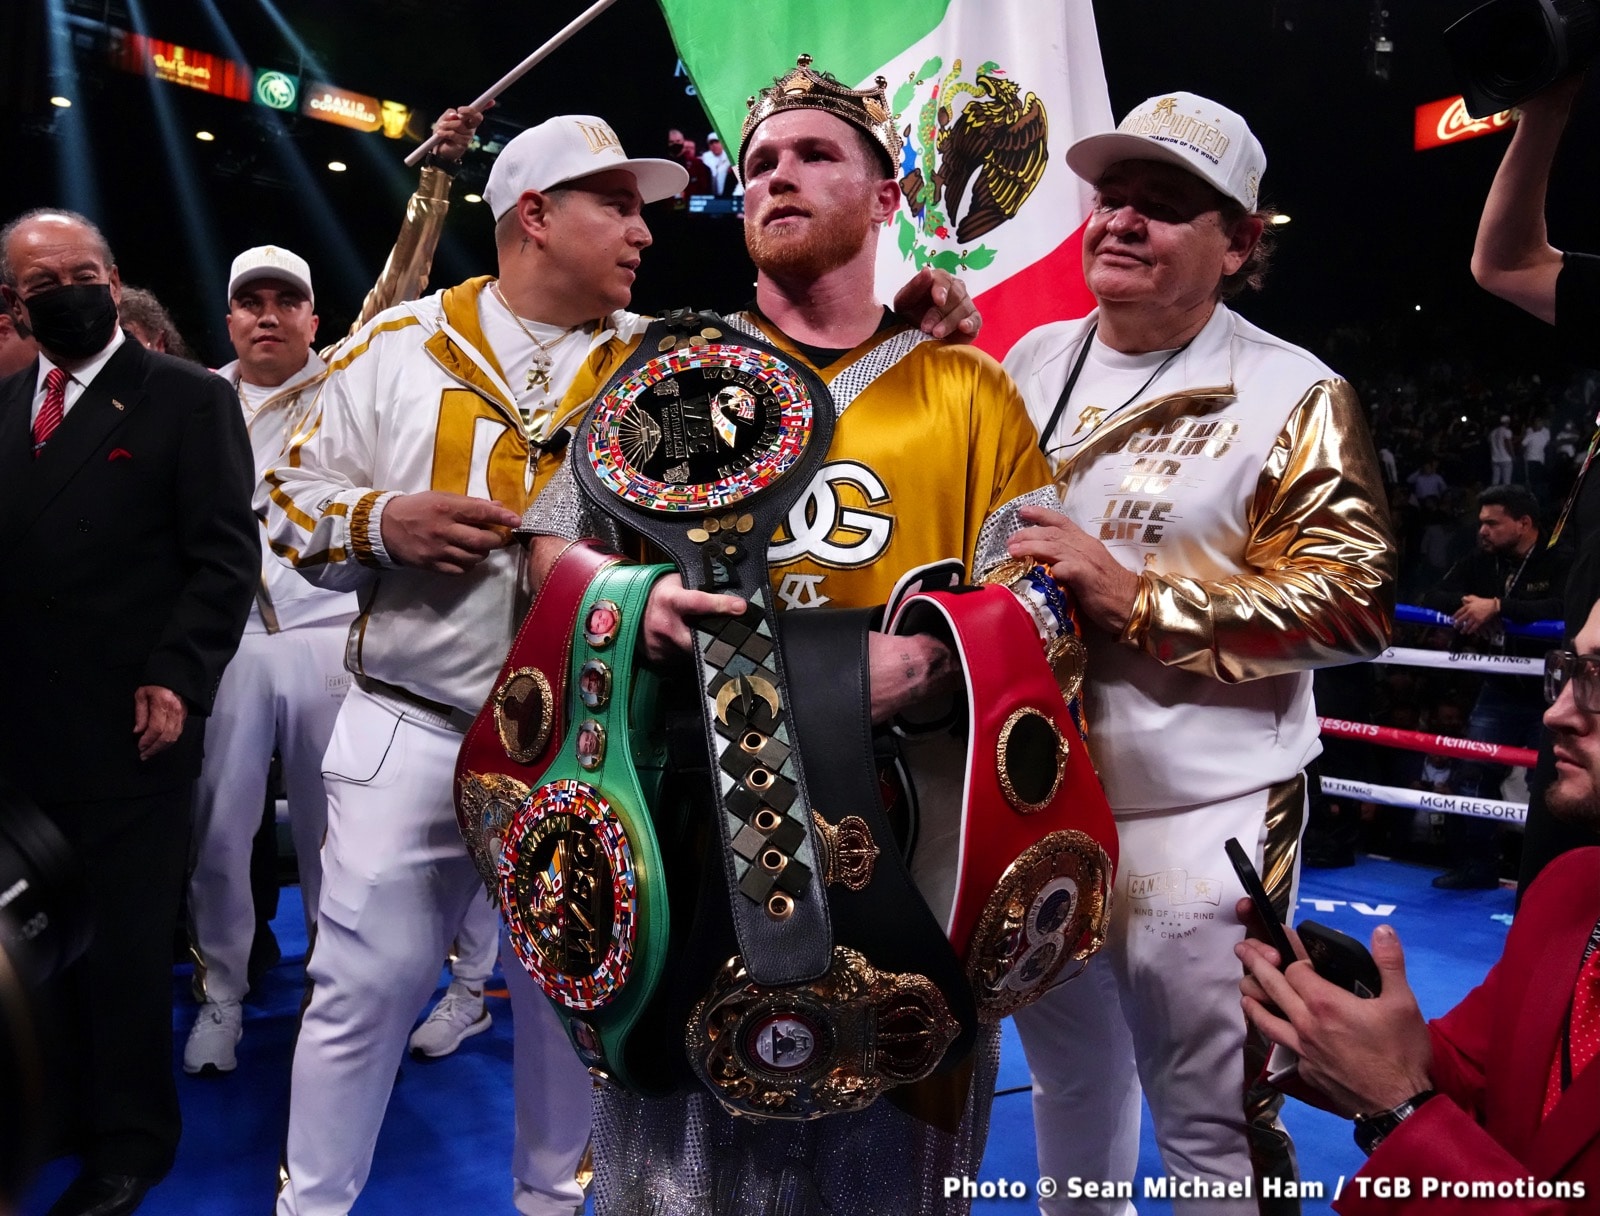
{"x": 582, "y": 883}
{"x": 520, "y": 727}
{"x": 1016, "y": 846}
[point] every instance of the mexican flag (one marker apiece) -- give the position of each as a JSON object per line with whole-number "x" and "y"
{"x": 988, "y": 95}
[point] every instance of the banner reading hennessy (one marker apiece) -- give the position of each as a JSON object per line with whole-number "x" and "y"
{"x": 989, "y": 93}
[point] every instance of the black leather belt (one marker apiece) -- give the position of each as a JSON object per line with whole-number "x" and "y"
{"x": 703, "y": 445}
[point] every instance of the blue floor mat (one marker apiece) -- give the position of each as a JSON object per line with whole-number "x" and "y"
{"x": 446, "y": 1141}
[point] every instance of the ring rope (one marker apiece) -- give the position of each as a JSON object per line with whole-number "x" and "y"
{"x": 1427, "y": 800}
{"x": 1507, "y": 664}
{"x": 1433, "y": 745}
{"x": 1411, "y": 614}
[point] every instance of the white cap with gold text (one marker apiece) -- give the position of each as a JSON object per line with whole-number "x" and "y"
{"x": 1183, "y": 129}
{"x": 568, "y": 147}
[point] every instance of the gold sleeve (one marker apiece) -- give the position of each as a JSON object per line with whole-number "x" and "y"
{"x": 1321, "y": 557}
{"x": 405, "y": 274}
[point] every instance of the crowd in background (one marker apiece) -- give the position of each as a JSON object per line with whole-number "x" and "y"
{"x": 1447, "y": 428}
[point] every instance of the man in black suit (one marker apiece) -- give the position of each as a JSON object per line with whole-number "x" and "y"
{"x": 131, "y": 555}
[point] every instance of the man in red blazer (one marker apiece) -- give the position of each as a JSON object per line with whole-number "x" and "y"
{"x": 1496, "y": 1105}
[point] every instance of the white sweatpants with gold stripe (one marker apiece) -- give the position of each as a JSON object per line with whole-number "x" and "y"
{"x": 1158, "y": 1007}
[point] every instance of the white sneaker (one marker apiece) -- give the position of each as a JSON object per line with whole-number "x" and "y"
{"x": 458, "y": 1015}
{"x": 216, "y": 1032}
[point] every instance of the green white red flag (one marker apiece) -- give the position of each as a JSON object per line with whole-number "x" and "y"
{"x": 988, "y": 94}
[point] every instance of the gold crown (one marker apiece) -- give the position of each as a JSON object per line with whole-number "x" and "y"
{"x": 805, "y": 88}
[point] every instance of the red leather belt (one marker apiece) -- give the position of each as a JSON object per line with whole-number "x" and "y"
{"x": 1016, "y": 845}
{"x": 520, "y": 727}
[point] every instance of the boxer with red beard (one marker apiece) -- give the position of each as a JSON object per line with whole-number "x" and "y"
{"x": 929, "y": 441}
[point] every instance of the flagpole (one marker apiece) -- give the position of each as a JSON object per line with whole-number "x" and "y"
{"x": 521, "y": 70}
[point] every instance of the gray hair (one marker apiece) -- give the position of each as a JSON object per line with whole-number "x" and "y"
{"x": 8, "y": 274}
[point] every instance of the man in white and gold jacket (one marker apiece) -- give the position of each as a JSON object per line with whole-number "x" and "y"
{"x": 436, "y": 425}
{"x": 282, "y": 689}
{"x": 1220, "y": 520}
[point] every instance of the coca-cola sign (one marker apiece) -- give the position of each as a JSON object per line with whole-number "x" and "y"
{"x": 1447, "y": 122}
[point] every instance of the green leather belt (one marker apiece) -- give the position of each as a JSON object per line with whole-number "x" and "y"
{"x": 582, "y": 882}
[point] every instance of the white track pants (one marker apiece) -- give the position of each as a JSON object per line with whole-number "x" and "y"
{"x": 282, "y": 691}
{"x": 1158, "y": 1006}
{"x": 477, "y": 943}
{"x": 396, "y": 884}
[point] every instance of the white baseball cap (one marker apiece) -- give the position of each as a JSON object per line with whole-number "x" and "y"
{"x": 713, "y": 136}
{"x": 568, "y": 147}
{"x": 269, "y": 262}
{"x": 1183, "y": 129}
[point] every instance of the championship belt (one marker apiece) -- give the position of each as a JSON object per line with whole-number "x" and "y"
{"x": 702, "y": 444}
{"x": 581, "y": 879}
{"x": 520, "y": 727}
{"x": 1016, "y": 847}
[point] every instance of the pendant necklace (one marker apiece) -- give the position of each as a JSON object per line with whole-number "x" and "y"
{"x": 539, "y": 369}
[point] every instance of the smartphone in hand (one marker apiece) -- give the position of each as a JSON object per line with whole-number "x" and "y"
{"x": 1336, "y": 957}
{"x": 1246, "y": 870}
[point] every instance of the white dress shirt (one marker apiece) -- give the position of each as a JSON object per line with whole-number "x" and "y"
{"x": 76, "y": 381}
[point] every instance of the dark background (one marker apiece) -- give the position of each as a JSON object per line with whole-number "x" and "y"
{"x": 1377, "y": 228}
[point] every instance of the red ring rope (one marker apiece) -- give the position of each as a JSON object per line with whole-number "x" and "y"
{"x": 1433, "y": 745}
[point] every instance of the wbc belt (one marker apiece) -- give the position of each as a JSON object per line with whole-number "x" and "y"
{"x": 1016, "y": 847}
{"x": 581, "y": 879}
{"x": 520, "y": 727}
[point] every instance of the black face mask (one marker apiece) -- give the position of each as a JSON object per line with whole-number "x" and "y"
{"x": 74, "y": 321}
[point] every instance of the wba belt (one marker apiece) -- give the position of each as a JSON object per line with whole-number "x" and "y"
{"x": 520, "y": 727}
{"x": 702, "y": 444}
{"x": 1016, "y": 846}
{"x": 582, "y": 884}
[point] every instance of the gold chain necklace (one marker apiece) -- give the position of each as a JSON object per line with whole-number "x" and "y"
{"x": 539, "y": 369}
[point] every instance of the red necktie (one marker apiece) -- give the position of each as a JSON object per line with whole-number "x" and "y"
{"x": 55, "y": 401}
{"x": 1582, "y": 1042}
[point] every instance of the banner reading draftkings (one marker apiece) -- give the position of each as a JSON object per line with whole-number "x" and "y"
{"x": 988, "y": 95}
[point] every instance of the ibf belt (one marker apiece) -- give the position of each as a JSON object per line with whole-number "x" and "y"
{"x": 520, "y": 727}
{"x": 581, "y": 878}
{"x": 702, "y": 442}
{"x": 1016, "y": 841}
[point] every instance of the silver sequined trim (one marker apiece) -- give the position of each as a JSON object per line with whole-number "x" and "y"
{"x": 853, "y": 380}
{"x": 686, "y": 1156}
{"x": 1005, "y": 520}
{"x": 562, "y": 510}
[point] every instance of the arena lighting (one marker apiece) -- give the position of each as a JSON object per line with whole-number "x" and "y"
{"x": 472, "y": 198}
{"x": 336, "y": 258}
{"x": 77, "y": 185}
{"x": 337, "y": 166}
{"x": 1416, "y": 308}
{"x": 204, "y": 137}
{"x": 1281, "y": 218}
{"x": 199, "y": 231}
{"x": 374, "y": 162}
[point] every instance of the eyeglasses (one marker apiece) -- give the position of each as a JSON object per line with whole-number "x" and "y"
{"x": 1583, "y": 670}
